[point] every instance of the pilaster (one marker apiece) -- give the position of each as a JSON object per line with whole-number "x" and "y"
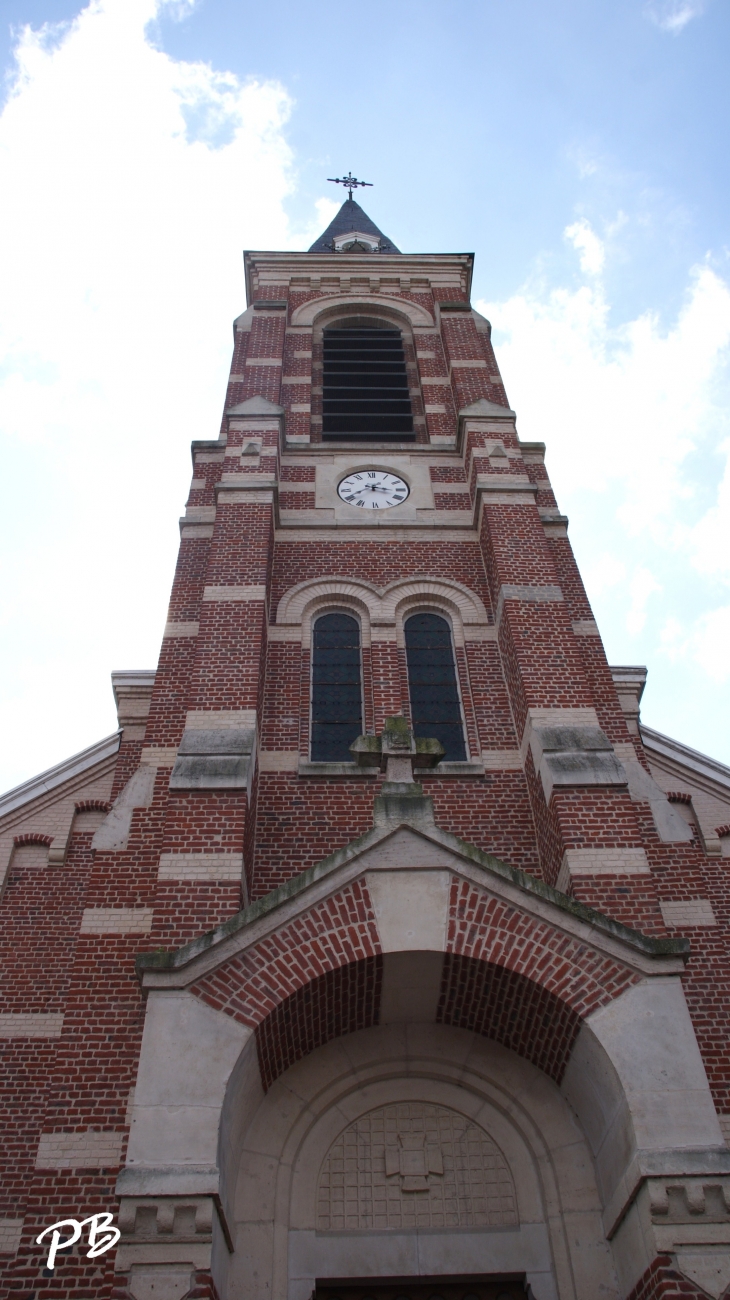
{"x": 578, "y": 786}
{"x": 201, "y": 877}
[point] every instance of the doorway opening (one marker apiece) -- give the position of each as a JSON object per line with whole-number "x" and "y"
{"x": 495, "y": 1287}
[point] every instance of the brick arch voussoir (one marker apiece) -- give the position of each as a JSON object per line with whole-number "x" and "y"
{"x": 515, "y": 978}
{"x": 339, "y": 1002}
{"x": 32, "y": 837}
{"x": 338, "y": 932}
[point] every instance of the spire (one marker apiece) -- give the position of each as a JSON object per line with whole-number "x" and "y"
{"x": 351, "y": 220}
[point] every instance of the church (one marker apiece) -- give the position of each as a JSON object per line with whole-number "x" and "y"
{"x": 381, "y": 953}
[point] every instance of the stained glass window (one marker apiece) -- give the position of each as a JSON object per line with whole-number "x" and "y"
{"x": 336, "y": 688}
{"x": 435, "y": 707}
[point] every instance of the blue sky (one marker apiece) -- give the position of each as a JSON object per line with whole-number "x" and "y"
{"x": 578, "y": 148}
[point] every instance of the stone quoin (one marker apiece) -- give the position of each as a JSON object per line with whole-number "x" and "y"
{"x": 382, "y": 953}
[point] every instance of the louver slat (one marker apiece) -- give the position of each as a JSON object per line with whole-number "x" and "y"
{"x": 365, "y": 386}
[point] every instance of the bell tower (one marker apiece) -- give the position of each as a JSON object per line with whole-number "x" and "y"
{"x": 408, "y": 912}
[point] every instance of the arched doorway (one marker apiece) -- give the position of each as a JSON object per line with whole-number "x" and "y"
{"x": 412, "y": 971}
{"x": 415, "y": 1151}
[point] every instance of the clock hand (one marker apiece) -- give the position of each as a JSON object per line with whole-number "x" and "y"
{"x": 371, "y": 487}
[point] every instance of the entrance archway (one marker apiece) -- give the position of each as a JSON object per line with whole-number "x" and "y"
{"x": 581, "y": 1068}
{"x": 415, "y": 1150}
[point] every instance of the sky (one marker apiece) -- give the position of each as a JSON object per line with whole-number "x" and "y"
{"x": 577, "y": 147}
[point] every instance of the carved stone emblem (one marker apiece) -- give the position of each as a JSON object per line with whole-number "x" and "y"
{"x": 413, "y": 1160}
{"x": 414, "y": 1165}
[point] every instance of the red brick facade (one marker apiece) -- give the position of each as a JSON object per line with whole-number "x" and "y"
{"x": 261, "y": 519}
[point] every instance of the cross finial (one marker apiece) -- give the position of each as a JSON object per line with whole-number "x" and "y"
{"x": 350, "y": 181}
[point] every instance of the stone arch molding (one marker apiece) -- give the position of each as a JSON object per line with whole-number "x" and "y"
{"x": 400, "y": 308}
{"x": 532, "y": 1155}
{"x": 385, "y": 607}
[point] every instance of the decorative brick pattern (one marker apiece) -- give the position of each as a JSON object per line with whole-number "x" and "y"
{"x": 117, "y": 920}
{"x": 339, "y": 1002}
{"x": 510, "y": 1008}
{"x": 447, "y": 474}
{"x": 32, "y": 1025}
{"x": 88, "y": 1149}
{"x": 490, "y": 930}
{"x": 11, "y": 1231}
{"x": 334, "y": 933}
{"x": 298, "y": 474}
{"x": 452, "y": 501}
{"x": 662, "y": 1282}
{"x": 511, "y": 978}
{"x": 687, "y": 913}
{"x": 200, "y": 866}
{"x": 297, "y": 500}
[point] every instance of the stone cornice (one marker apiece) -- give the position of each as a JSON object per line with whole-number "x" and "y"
{"x": 357, "y": 264}
{"x": 699, "y": 767}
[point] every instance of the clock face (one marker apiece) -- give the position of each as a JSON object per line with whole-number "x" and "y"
{"x": 373, "y": 489}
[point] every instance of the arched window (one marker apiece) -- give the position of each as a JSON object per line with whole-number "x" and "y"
{"x": 435, "y": 708}
{"x": 336, "y": 688}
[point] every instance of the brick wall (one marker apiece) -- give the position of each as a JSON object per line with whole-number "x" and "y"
{"x": 71, "y": 1011}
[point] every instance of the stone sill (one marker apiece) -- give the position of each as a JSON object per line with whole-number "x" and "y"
{"x": 308, "y": 768}
{"x": 473, "y": 767}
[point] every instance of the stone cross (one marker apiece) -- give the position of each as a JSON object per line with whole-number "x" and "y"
{"x": 397, "y": 752}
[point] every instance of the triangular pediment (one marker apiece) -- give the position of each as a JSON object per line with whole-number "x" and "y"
{"x": 404, "y": 870}
{"x": 484, "y": 410}
{"x": 255, "y": 406}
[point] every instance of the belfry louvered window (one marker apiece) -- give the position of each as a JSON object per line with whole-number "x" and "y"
{"x": 365, "y": 386}
{"x": 336, "y": 688}
{"x": 435, "y": 706}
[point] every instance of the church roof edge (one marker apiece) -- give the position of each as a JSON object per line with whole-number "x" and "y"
{"x": 58, "y": 775}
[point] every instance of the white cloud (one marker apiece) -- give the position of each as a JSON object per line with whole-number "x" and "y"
{"x": 643, "y": 585}
{"x": 673, "y": 15}
{"x": 617, "y": 404}
{"x": 589, "y": 247}
{"x": 327, "y": 210}
{"x": 584, "y": 161}
{"x": 708, "y": 542}
{"x": 605, "y": 572}
{"x": 136, "y": 180}
{"x": 705, "y": 643}
{"x": 635, "y": 416}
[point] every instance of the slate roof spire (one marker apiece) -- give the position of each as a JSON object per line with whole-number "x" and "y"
{"x": 351, "y": 218}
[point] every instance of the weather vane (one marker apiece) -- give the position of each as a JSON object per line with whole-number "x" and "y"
{"x": 350, "y": 181}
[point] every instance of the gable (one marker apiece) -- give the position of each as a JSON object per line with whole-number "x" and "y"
{"x": 314, "y": 954}
{"x": 41, "y": 812}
